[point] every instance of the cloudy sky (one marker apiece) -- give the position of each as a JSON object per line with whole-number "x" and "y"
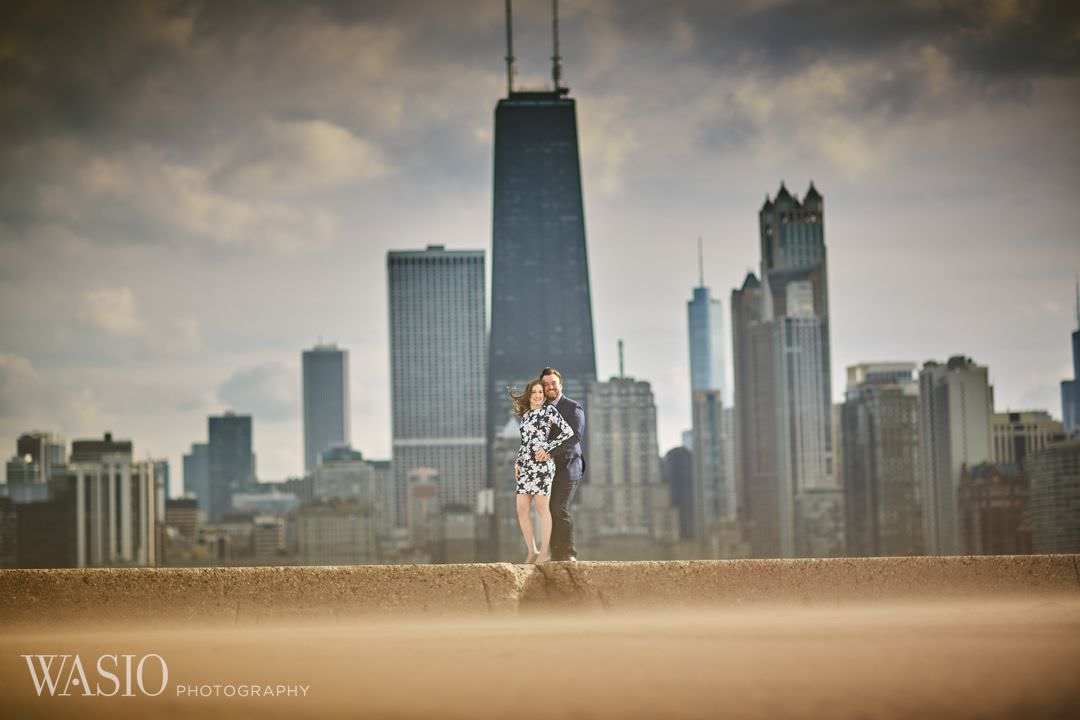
{"x": 191, "y": 193}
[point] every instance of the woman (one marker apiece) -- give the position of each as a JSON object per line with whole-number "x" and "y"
{"x": 534, "y": 476}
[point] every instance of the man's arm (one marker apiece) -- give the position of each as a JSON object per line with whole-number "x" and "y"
{"x": 577, "y": 424}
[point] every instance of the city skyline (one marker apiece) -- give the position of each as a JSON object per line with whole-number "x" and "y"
{"x": 161, "y": 262}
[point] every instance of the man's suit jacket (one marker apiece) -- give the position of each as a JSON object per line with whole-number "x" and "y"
{"x": 570, "y": 448}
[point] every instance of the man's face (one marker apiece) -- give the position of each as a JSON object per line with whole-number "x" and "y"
{"x": 552, "y": 386}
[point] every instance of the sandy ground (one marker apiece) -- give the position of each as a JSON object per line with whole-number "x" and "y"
{"x": 937, "y": 660}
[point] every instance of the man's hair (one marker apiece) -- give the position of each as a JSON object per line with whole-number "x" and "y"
{"x": 551, "y": 371}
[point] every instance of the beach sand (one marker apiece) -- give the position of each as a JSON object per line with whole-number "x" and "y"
{"x": 956, "y": 659}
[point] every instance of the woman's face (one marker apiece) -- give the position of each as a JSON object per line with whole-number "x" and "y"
{"x": 536, "y": 396}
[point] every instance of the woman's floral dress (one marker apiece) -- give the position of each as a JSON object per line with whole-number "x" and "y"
{"x": 535, "y": 476}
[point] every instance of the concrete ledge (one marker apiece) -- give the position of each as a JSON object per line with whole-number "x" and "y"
{"x": 802, "y": 581}
{"x": 253, "y": 594}
{"x": 256, "y": 594}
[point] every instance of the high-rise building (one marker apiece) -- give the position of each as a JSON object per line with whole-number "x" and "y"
{"x": 267, "y": 539}
{"x": 84, "y": 451}
{"x": 782, "y": 365}
{"x": 385, "y": 521}
{"x": 115, "y": 505}
{"x": 455, "y": 535}
{"x": 197, "y": 476}
{"x": 992, "y": 503}
{"x": 510, "y": 546}
{"x": 881, "y": 460}
{"x": 956, "y": 403}
{"x": 1055, "y": 498}
{"x": 230, "y": 461}
{"x": 24, "y": 481}
{"x": 713, "y": 489}
{"x": 422, "y": 509}
{"x": 182, "y": 514}
{"x": 437, "y": 370}
{"x": 162, "y": 484}
{"x": 541, "y": 308}
{"x": 705, "y": 320}
{"x": 326, "y": 401}
{"x": 1070, "y": 389}
{"x": 677, "y": 471}
{"x": 43, "y": 450}
{"x": 714, "y": 494}
{"x": 343, "y": 473}
{"x": 757, "y": 483}
{"x": 1018, "y": 434}
{"x": 9, "y": 533}
{"x": 625, "y": 509}
{"x": 338, "y": 532}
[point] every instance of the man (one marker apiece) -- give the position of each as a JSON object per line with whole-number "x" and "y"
{"x": 569, "y": 466}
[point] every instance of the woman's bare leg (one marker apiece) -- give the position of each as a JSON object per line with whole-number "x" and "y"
{"x": 525, "y": 521}
{"x": 543, "y": 512}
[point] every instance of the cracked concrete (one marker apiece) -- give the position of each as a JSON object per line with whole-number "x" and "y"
{"x": 250, "y": 595}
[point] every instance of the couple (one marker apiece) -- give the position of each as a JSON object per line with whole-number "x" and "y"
{"x": 549, "y": 465}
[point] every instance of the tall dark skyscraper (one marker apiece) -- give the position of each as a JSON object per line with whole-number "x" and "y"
{"x": 1070, "y": 389}
{"x": 230, "y": 462}
{"x": 780, "y": 327}
{"x": 541, "y": 311}
{"x": 326, "y": 402}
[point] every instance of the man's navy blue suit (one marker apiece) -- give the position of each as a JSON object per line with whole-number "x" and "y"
{"x": 569, "y": 467}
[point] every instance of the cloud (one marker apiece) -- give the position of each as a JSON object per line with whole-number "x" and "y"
{"x": 115, "y": 312}
{"x": 269, "y": 391}
{"x": 181, "y": 335}
{"x": 137, "y": 196}
{"x": 112, "y": 311}
{"x": 18, "y": 383}
{"x": 32, "y": 399}
{"x": 299, "y": 158}
{"x": 611, "y": 144}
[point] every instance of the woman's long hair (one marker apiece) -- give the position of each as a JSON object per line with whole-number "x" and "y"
{"x": 521, "y": 402}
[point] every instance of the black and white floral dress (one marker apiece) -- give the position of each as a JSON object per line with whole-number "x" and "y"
{"x": 535, "y": 477}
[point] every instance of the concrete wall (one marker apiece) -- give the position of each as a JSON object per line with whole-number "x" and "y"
{"x": 254, "y": 594}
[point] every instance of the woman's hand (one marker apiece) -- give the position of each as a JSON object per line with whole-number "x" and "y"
{"x": 517, "y": 471}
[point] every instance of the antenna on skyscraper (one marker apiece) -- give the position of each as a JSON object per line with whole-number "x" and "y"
{"x": 509, "y": 50}
{"x": 700, "y": 264}
{"x": 621, "y": 371}
{"x": 556, "y": 60}
{"x": 1078, "y": 305}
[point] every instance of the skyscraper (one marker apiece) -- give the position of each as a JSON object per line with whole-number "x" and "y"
{"x": 1018, "y": 434}
{"x": 44, "y": 450}
{"x": 1055, "y": 498}
{"x": 197, "y": 476}
{"x": 437, "y": 370}
{"x": 1070, "y": 389}
{"x": 784, "y": 327}
{"x": 956, "y": 404}
{"x": 326, "y": 401}
{"x": 230, "y": 462}
{"x": 626, "y": 509}
{"x": 755, "y": 413}
{"x": 881, "y": 460}
{"x": 706, "y": 323}
{"x": 115, "y": 505}
{"x": 541, "y": 309}
{"x": 713, "y": 494}
{"x": 677, "y": 471}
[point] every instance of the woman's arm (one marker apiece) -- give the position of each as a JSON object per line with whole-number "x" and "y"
{"x": 566, "y": 432}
